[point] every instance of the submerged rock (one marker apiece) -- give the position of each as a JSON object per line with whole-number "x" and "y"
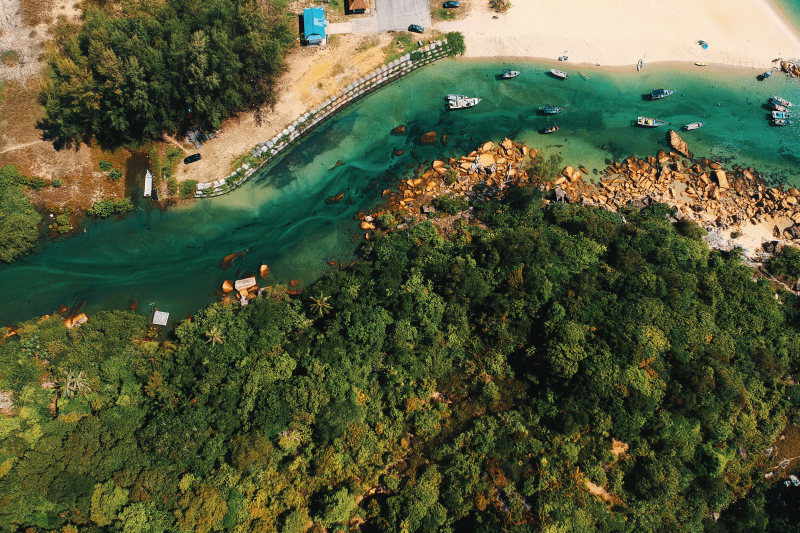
{"x": 428, "y": 138}
{"x": 399, "y": 130}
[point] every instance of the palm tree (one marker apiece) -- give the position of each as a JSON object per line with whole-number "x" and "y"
{"x": 214, "y": 336}
{"x": 73, "y": 383}
{"x": 320, "y": 304}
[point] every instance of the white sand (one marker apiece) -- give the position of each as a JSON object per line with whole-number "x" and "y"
{"x": 747, "y": 33}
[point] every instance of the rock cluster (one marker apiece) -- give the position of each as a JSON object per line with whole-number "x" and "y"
{"x": 791, "y": 67}
{"x": 495, "y": 167}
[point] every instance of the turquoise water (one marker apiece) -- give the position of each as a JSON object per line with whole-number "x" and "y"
{"x": 792, "y": 9}
{"x": 172, "y": 257}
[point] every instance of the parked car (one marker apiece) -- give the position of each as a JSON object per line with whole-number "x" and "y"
{"x": 192, "y": 158}
{"x": 450, "y": 5}
{"x": 416, "y": 28}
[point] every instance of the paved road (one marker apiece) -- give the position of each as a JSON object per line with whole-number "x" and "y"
{"x": 398, "y": 14}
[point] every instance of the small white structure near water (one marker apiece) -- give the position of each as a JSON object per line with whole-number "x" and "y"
{"x": 160, "y": 318}
{"x": 148, "y": 184}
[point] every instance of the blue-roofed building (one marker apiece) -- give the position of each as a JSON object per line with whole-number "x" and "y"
{"x": 314, "y": 23}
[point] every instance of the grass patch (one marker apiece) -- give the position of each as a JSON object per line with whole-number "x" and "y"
{"x": 402, "y": 43}
{"x": 10, "y": 58}
{"x": 445, "y": 14}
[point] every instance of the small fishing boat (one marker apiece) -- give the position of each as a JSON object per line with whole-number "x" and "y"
{"x": 781, "y": 114}
{"x": 463, "y": 103}
{"x": 780, "y": 101}
{"x": 701, "y": 63}
{"x": 550, "y": 109}
{"x": 763, "y": 76}
{"x": 560, "y": 74}
{"x": 781, "y": 122}
{"x": 508, "y": 74}
{"x": 658, "y": 94}
{"x": 649, "y": 122}
{"x": 455, "y": 96}
{"x": 639, "y": 65}
{"x": 693, "y": 126}
{"x": 550, "y": 129}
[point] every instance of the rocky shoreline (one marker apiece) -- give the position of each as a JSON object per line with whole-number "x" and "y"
{"x": 724, "y": 201}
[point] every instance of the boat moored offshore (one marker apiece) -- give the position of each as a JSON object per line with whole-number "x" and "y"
{"x": 550, "y": 129}
{"x": 649, "y": 122}
{"x": 781, "y": 122}
{"x": 781, "y": 114}
{"x": 657, "y": 94}
{"x": 560, "y": 74}
{"x": 508, "y": 74}
{"x": 550, "y": 109}
{"x": 463, "y": 103}
{"x": 780, "y": 101}
{"x": 693, "y": 126}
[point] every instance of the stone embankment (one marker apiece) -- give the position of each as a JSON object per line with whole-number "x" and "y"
{"x": 702, "y": 190}
{"x": 265, "y": 152}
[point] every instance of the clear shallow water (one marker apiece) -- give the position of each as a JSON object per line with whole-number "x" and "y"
{"x": 172, "y": 258}
{"x": 792, "y": 9}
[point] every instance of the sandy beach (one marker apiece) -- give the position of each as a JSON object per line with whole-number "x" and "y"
{"x": 744, "y": 33}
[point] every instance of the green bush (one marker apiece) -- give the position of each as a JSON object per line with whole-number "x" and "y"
{"x": 172, "y": 186}
{"x": 786, "y": 263}
{"x": 57, "y": 183}
{"x": 115, "y": 174}
{"x": 19, "y": 220}
{"x": 450, "y": 204}
{"x": 105, "y": 166}
{"x": 546, "y": 169}
{"x": 61, "y": 223}
{"x": 385, "y": 221}
{"x": 187, "y": 189}
{"x": 106, "y": 208}
{"x": 450, "y": 176}
{"x": 455, "y": 43}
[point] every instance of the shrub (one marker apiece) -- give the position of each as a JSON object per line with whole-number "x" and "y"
{"x": 19, "y": 220}
{"x": 187, "y": 189}
{"x": 115, "y": 174}
{"x": 172, "y": 186}
{"x": 786, "y": 263}
{"x": 455, "y": 42}
{"x": 61, "y": 221}
{"x": 450, "y": 204}
{"x": 546, "y": 169}
{"x": 57, "y": 183}
{"x": 10, "y": 58}
{"x": 450, "y": 176}
{"x": 105, "y": 166}
{"x": 106, "y": 208}
{"x": 385, "y": 221}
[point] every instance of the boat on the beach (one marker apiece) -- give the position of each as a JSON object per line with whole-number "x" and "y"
{"x": 701, "y": 63}
{"x": 508, "y": 74}
{"x": 550, "y": 109}
{"x": 764, "y": 75}
{"x": 781, "y": 114}
{"x": 639, "y": 65}
{"x": 560, "y": 74}
{"x": 649, "y": 122}
{"x": 657, "y": 94}
{"x": 780, "y": 101}
{"x": 781, "y": 122}
{"x": 693, "y": 126}
{"x": 550, "y": 129}
{"x": 463, "y": 103}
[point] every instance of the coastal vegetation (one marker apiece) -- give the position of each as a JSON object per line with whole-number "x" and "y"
{"x": 107, "y": 208}
{"x": 134, "y": 71}
{"x": 550, "y": 367}
{"x": 19, "y": 220}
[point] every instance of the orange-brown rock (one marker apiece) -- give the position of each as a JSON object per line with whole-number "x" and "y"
{"x": 263, "y": 271}
{"x": 227, "y": 286}
{"x": 679, "y": 145}
{"x": 428, "y": 138}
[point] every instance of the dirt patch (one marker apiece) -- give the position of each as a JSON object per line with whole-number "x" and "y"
{"x": 618, "y": 447}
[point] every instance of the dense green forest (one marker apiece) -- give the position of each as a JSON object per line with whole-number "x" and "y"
{"x": 135, "y": 70}
{"x": 19, "y": 220}
{"x": 483, "y": 381}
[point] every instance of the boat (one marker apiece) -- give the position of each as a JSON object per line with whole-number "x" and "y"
{"x": 463, "y": 103}
{"x": 781, "y": 114}
{"x": 780, "y": 101}
{"x": 777, "y": 107}
{"x": 559, "y": 73}
{"x": 781, "y": 122}
{"x": 639, "y": 65}
{"x": 550, "y": 129}
{"x": 649, "y": 122}
{"x": 455, "y": 96}
{"x": 508, "y": 74}
{"x": 763, "y": 76}
{"x": 657, "y": 94}
{"x": 148, "y": 183}
{"x": 693, "y": 126}
{"x": 701, "y": 63}
{"x": 550, "y": 109}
